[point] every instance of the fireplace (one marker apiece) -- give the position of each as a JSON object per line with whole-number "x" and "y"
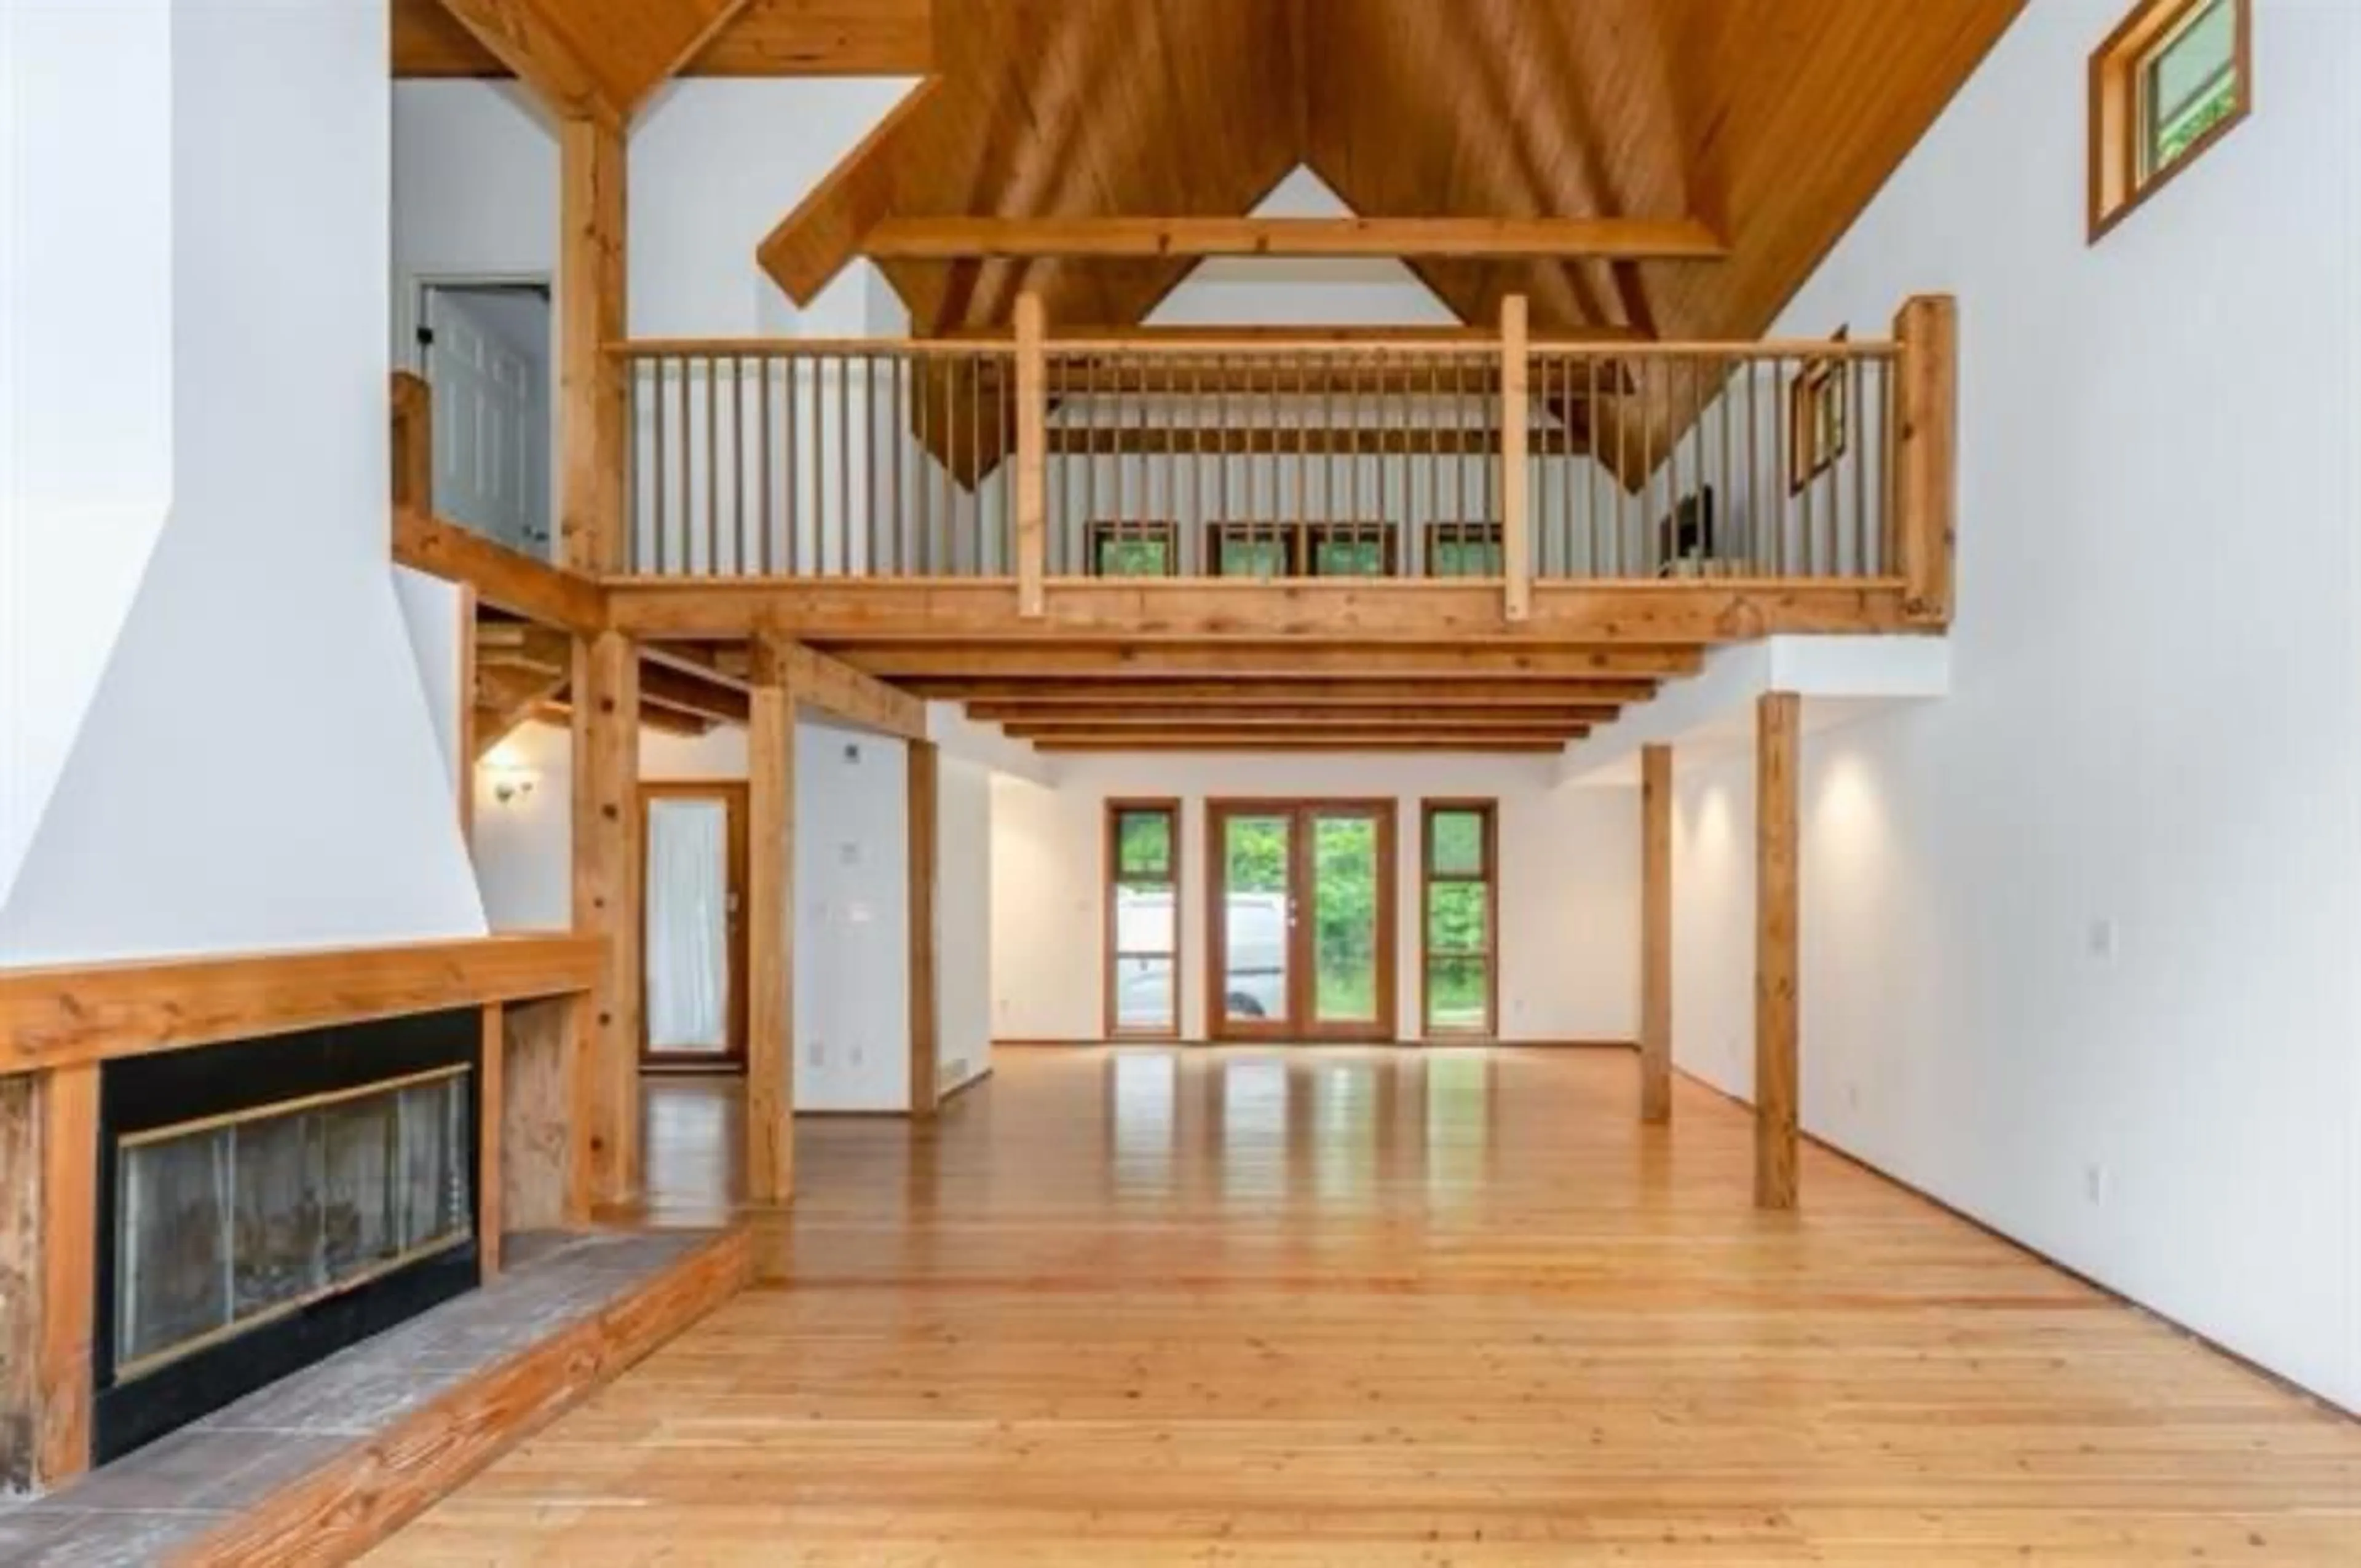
{"x": 266, "y": 1203}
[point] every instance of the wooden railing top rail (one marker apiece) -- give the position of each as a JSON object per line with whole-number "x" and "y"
{"x": 54, "y": 1017}
{"x": 1199, "y": 343}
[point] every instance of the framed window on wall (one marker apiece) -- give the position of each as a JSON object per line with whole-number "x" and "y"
{"x": 1134, "y": 550}
{"x": 1459, "y": 915}
{"x": 1143, "y": 919}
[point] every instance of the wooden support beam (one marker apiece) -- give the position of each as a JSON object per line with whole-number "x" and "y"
{"x": 1292, "y": 441}
{"x": 1926, "y": 483}
{"x": 812, "y": 244}
{"x": 591, "y": 422}
{"x": 769, "y": 926}
{"x": 925, "y": 764}
{"x": 1147, "y": 695}
{"x": 1032, "y": 472}
{"x": 1549, "y": 239}
{"x": 1229, "y": 660}
{"x": 1285, "y": 736}
{"x": 1655, "y": 933}
{"x": 521, "y": 36}
{"x": 1503, "y": 745}
{"x": 606, "y": 904}
{"x": 1516, "y": 479}
{"x": 1308, "y": 716}
{"x": 500, "y": 578}
{"x": 492, "y": 1131}
{"x": 850, "y": 694}
{"x": 68, "y": 1178}
{"x": 666, "y": 686}
{"x": 413, "y": 442}
{"x": 1777, "y": 914}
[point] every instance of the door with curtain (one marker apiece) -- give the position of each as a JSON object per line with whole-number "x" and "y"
{"x": 693, "y": 887}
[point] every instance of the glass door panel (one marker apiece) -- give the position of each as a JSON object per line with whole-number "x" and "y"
{"x": 689, "y": 920}
{"x": 1345, "y": 895}
{"x": 1257, "y": 912}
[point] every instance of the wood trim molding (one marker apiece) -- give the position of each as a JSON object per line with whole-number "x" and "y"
{"x": 500, "y": 578}
{"x": 371, "y": 1490}
{"x": 58, "y": 1017}
{"x": 1110, "y": 957}
{"x": 2117, "y": 188}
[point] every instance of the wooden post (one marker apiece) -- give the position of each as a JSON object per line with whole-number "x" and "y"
{"x": 592, "y": 426}
{"x": 1032, "y": 473}
{"x": 1516, "y": 508}
{"x": 1777, "y": 909}
{"x": 925, "y": 1042}
{"x": 68, "y": 1099}
{"x": 1655, "y": 933}
{"x": 413, "y": 443}
{"x": 492, "y": 1122}
{"x": 769, "y": 926}
{"x": 1925, "y": 455}
{"x": 606, "y": 904}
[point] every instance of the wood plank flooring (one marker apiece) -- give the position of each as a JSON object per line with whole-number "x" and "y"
{"x": 1374, "y": 1308}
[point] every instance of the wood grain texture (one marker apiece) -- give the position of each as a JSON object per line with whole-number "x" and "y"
{"x": 1927, "y": 455}
{"x": 341, "y": 1509}
{"x": 491, "y": 1131}
{"x": 1655, "y": 933}
{"x": 1516, "y": 479}
{"x": 764, "y": 38}
{"x": 1230, "y": 658}
{"x": 500, "y": 578}
{"x": 1032, "y": 447}
{"x": 530, "y": 41}
{"x": 20, "y": 1281}
{"x": 989, "y": 698}
{"x": 413, "y": 442}
{"x": 607, "y": 905}
{"x": 68, "y": 1097}
{"x": 954, "y": 238}
{"x": 770, "y": 1130}
{"x": 52, "y": 1017}
{"x": 592, "y": 413}
{"x": 539, "y": 1064}
{"x": 1389, "y": 1308}
{"x": 1778, "y": 908}
{"x": 849, "y": 693}
{"x": 923, "y": 794}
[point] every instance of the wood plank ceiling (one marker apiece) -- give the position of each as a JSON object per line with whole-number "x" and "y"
{"x": 1772, "y": 121}
{"x": 765, "y": 38}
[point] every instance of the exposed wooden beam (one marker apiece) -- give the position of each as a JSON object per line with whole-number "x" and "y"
{"x": 525, "y": 38}
{"x": 1279, "y": 375}
{"x": 853, "y": 696}
{"x": 1700, "y": 612}
{"x": 591, "y": 416}
{"x": 1324, "y": 691}
{"x": 1298, "y": 715}
{"x": 1267, "y": 336}
{"x": 1655, "y": 933}
{"x": 956, "y": 238}
{"x": 607, "y": 905}
{"x": 684, "y": 693}
{"x": 1128, "y": 661}
{"x": 811, "y": 245}
{"x": 1214, "y": 731}
{"x": 501, "y": 578}
{"x": 1777, "y": 957}
{"x": 770, "y": 928}
{"x": 1294, "y": 440}
{"x": 1927, "y": 455}
{"x": 1538, "y": 746}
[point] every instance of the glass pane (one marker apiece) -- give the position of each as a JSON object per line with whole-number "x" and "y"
{"x": 1254, "y": 916}
{"x": 1464, "y": 558}
{"x": 688, "y": 926}
{"x": 1348, "y": 557}
{"x": 1457, "y": 993}
{"x": 172, "y": 1261}
{"x": 2191, "y": 83}
{"x": 1457, "y": 914}
{"x": 1455, "y": 843}
{"x": 1245, "y": 557}
{"x": 276, "y": 1168}
{"x": 360, "y": 1221}
{"x": 1143, "y": 920}
{"x": 1135, "y": 557}
{"x": 1144, "y": 993}
{"x": 1143, "y": 846}
{"x": 433, "y": 1188}
{"x": 1344, "y": 908}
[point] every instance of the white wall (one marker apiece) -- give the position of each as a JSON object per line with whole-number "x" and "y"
{"x": 1569, "y": 886}
{"x": 2078, "y": 941}
{"x": 852, "y": 921}
{"x": 257, "y": 768}
{"x": 963, "y": 936}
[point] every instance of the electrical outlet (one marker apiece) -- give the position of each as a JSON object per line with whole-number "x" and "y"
{"x": 2095, "y": 1183}
{"x": 2103, "y": 939}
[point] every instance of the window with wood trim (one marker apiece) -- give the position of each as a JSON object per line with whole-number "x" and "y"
{"x": 1252, "y": 550}
{"x": 1143, "y": 918}
{"x": 1133, "y": 549}
{"x": 1459, "y": 908}
{"x": 2166, "y": 84}
{"x": 1464, "y": 550}
{"x": 1349, "y": 549}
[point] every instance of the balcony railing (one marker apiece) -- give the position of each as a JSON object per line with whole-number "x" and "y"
{"x": 1492, "y": 458}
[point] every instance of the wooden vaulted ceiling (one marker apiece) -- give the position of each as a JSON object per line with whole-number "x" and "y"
{"x": 627, "y": 42}
{"x": 1771, "y": 121}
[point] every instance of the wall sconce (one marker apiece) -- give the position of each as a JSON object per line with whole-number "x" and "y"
{"x": 509, "y": 784}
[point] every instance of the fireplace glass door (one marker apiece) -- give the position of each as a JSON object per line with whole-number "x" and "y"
{"x": 226, "y": 1222}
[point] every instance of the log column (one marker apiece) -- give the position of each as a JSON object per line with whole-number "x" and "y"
{"x": 1777, "y": 911}
{"x": 607, "y": 906}
{"x": 1656, "y": 934}
{"x": 769, "y": 926}
{"x": 48, "y": 1152}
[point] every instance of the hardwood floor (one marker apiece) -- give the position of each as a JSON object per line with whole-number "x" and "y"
{"x": 1390, "y": 1308}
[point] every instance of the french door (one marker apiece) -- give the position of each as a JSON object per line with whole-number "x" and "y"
{"x": 1302, "y": 921}
{"x": 693, "y": 886}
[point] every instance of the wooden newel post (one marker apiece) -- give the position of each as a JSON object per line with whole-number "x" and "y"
{"x": 413, "y": 443}
{"x": 1926, "y": 454}
{"x": 1516, "y": 510}
{"x": 1777, "y": 948}
{"x": 1655, "y": 933}
{"x": 1032, "y": 471}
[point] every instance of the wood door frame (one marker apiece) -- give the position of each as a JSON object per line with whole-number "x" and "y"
{"x": 1300, "y": 1024}
{"x": 1488, "y": 807}
{"x": 732, "y": 793}
{"x": 1110, "y": 957}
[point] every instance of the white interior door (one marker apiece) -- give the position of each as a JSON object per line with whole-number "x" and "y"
{"x": 486, "y": 362}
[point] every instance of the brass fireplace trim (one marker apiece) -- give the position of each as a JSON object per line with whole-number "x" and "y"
{"x": 288, "y": 1107}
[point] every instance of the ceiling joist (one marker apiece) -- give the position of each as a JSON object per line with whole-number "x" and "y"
{"x": 1539, "y": 239}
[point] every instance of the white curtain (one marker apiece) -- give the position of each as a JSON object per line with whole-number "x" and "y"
{"x": 688, "y": 926}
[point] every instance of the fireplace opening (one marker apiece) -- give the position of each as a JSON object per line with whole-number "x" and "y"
{"x": 264, "y": 1204}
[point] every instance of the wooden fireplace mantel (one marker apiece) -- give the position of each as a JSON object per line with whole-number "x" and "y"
{"x": 58, "y": 1025}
